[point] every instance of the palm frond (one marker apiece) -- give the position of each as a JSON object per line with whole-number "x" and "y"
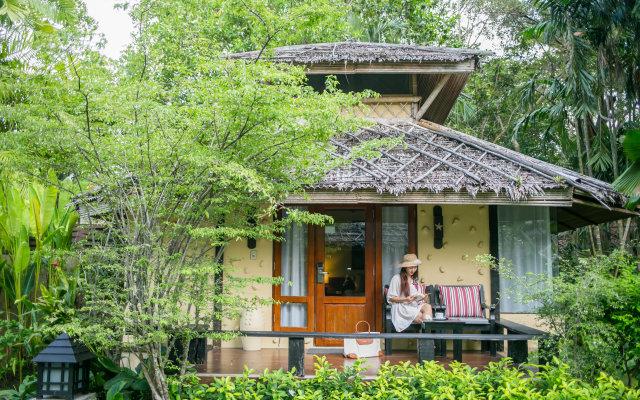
{"x": 631, "y": 144}
{"x": 629, "y": 181}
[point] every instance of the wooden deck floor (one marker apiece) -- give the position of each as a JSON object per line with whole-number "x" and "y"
{"x": 231, "y": 362}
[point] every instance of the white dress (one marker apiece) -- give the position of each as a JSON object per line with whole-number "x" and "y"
{"x": 402, "y": 314}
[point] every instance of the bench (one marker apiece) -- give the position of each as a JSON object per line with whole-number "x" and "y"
{"x": 518, "y": 350}
{"x": 465, "y": 303}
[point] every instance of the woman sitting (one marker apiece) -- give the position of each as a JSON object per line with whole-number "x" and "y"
{"x": 407, "y": 304}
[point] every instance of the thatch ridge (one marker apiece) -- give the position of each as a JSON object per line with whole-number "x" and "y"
{"x": 361, "y": 52}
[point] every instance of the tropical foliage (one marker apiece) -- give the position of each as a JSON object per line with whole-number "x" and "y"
{"x": 35, "y": 232}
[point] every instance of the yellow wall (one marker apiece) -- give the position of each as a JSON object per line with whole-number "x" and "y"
{"x": 238, "y": 255}
{"x": 466, "y": 234}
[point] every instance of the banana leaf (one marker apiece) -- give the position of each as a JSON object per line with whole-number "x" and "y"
{"x": 29, "y": 280}
{"x": 7, "y": 283}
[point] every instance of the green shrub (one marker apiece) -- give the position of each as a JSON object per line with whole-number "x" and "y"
{"x": 594, "y": 308}
{"x": 409, "y": 381}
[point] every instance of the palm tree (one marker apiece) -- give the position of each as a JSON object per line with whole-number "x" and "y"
{"x": 22, "y": 20}
{"x": 598, "y": 88}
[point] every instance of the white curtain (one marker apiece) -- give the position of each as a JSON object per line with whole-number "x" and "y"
{"x": 395, "y": 240}
{"x": 525, "y": 242}
{"x": 294, "y": 273}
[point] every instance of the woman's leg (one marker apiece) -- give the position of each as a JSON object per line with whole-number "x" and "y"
{"x": 425, "y": 313}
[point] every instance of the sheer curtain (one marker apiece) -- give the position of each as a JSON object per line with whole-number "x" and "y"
{"x": 525, "y": 242}
{"x": 294, "y": 273}
{"x": 395, "y": 240}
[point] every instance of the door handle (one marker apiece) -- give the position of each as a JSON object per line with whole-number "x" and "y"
{"x": 320, "y": 272}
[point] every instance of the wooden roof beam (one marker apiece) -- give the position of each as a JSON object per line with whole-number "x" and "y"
{"x": 366, "y": 161}
{"x": 432, "y": 97}
{"x": 490, "y": 168}
{"x": 356, "y": 165}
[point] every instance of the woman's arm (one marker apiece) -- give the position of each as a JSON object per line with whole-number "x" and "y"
{"x": 402, "y": 299}
{"x": 394, "y": 295}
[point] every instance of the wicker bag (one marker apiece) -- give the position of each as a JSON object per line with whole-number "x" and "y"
{"x": 361, "y": 348}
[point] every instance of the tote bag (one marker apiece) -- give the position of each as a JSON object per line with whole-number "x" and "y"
{"x": 361, "y": 348}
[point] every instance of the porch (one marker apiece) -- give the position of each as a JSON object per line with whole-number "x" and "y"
{"x": 231, "y": 361}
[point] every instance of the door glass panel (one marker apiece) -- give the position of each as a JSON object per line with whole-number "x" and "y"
{"x": 293, "y": 269}
{"x": 344, "y": 253}
{"x": 293, "y": 315}
{"x": 395, "y": 239}
{"x": 294, "y": 261}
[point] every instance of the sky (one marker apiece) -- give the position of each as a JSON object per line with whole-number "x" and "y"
{"x": 114, "y": 24}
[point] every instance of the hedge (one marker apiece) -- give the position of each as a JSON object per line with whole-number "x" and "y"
{"x": 429, "y": 380}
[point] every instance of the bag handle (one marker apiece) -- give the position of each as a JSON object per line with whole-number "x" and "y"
{"x": 368, "y": 327}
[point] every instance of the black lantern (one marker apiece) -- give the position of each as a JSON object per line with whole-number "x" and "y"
{"x": 63, "y": 368}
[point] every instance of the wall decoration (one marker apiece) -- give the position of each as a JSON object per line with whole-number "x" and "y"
{"x": 438, "y": 227}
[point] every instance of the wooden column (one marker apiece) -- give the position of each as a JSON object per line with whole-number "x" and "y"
{"x": 432, "y": 97}
{"x": 296, "y": 355}
{"x": 425, "y": 350}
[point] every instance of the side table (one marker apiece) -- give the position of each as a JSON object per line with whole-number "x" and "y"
{"x": 440, "y": 326}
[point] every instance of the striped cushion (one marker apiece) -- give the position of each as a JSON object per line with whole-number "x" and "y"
{"x": 461, "y": 301}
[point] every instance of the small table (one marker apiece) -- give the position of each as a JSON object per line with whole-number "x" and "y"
{"x": 451, "y": 324}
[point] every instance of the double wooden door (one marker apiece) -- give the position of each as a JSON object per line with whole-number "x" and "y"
{"x": 337, "y": 279}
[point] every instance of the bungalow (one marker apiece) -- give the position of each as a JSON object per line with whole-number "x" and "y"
{"x": 442, "y": 194}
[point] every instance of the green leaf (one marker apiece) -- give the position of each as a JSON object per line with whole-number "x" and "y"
{"x": 21, "y": 260}
{"x": 29, "y": 280}
{"x": 628, "y": 182}
{"x": 114, "y": 392}
{"x": 631, "y": 144}
{"x": 108, "y": 364}
{"x": 7, "y": 282}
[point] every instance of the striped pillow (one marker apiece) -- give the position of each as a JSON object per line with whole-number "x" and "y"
{"x": 461, "y": 301}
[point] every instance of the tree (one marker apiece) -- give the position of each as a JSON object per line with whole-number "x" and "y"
{"x": 185, "y": 150}
{"x": 564, "y": 89}
{"x": 402, "y": 21}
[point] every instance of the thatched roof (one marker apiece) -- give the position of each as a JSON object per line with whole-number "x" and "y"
{"x": 359, "y": 52}
{"x": 436, "y": 159}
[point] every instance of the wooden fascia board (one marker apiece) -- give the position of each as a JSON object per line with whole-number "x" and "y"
{"x": 599, "y": 206}
{"x": 551, "y": 198}
{"x": 392, "y": 99}
{"x": 393, "y": 68}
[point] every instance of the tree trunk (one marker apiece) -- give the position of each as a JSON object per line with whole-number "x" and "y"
{"x": 613, "y": 143}
{"x": 154, "y": 372}
{"x": 579, "y": 128}
{"x": 586, "y": 132}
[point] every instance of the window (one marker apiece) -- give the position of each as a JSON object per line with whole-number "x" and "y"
{"x": 524, "y": 241}
{"x": 395, "y": 240}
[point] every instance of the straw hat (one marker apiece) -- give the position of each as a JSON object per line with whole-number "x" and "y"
{"x": 409, "y": 260}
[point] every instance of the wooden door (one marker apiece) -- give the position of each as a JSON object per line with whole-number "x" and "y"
{"x": 344, "y": 263}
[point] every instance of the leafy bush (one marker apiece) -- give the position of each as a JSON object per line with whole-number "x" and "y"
{"x": 410, "y": 381}
{"x": 594, "y": 308}
{"x": 113, "y": 382}
{"x": 26, "y": 390}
